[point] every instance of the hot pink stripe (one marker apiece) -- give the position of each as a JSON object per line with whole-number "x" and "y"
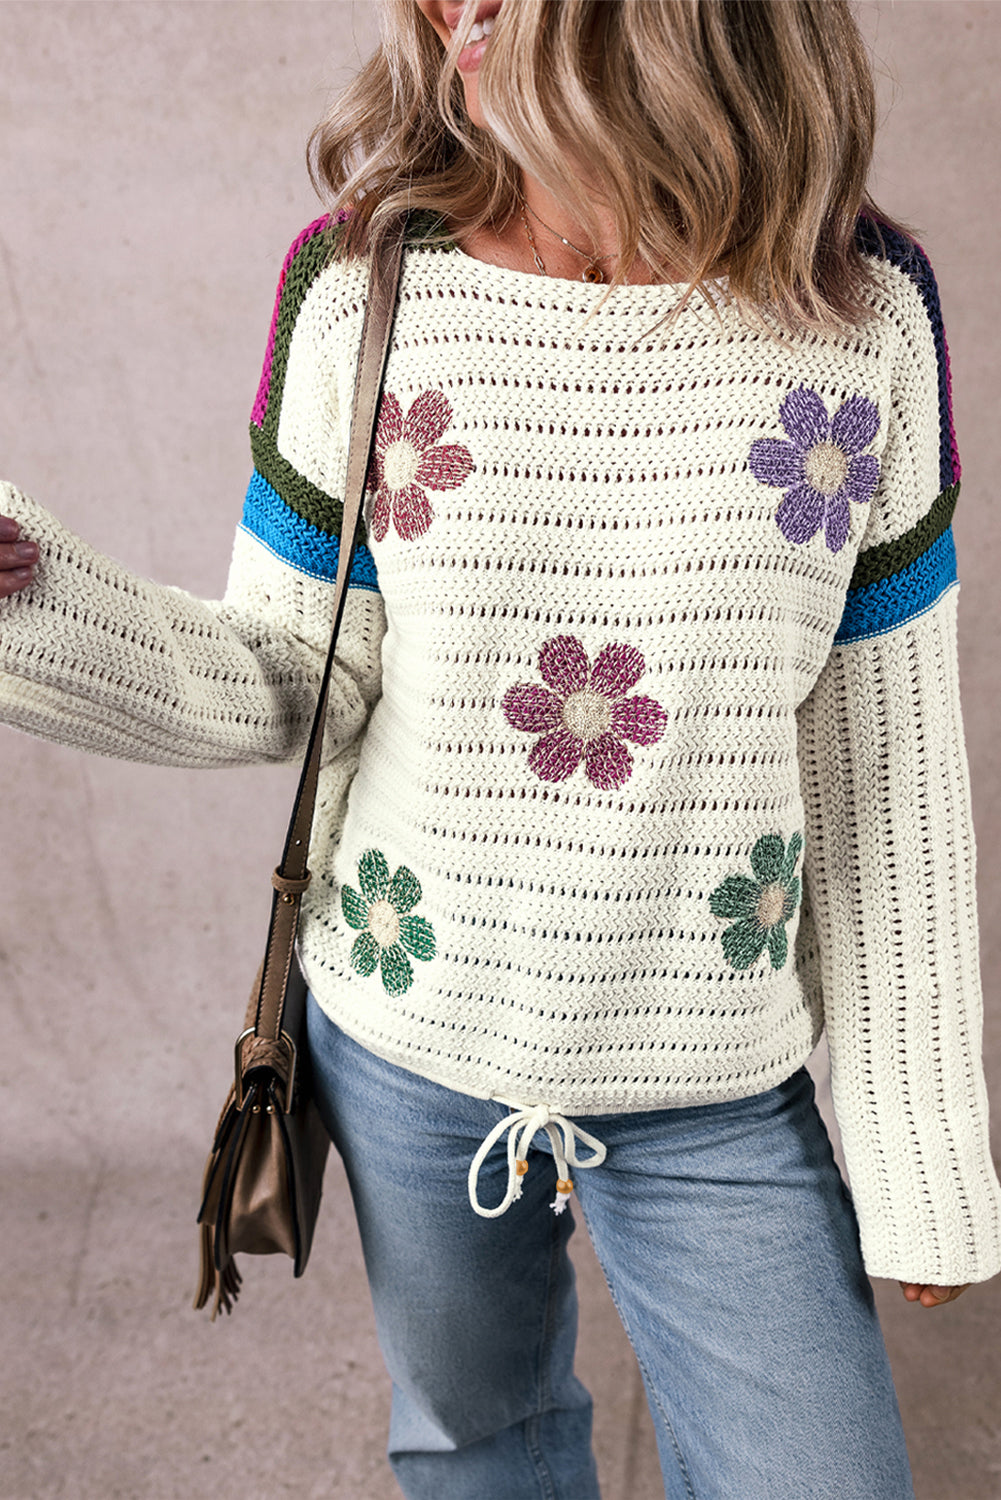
{"x": 264, "y": 389}
{"x": 956, "y": 466}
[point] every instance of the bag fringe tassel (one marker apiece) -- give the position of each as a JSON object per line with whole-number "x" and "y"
{"x": 223, "y": 1286}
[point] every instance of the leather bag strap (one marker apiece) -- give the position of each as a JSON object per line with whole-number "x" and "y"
{"x": 292, "y": 877}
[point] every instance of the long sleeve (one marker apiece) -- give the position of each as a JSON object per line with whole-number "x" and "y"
{"x": 889, "y": 852}
{"x": 95, "y": 657}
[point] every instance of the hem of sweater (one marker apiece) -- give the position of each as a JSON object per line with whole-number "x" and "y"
{"x": 576, "y": 1105}
{"x": 887, "y": 1270}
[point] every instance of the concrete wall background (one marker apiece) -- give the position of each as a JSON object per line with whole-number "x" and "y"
{"x": 151, "y": 179}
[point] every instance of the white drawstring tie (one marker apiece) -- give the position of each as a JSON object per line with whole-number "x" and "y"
{"x": 531, "y": 1120}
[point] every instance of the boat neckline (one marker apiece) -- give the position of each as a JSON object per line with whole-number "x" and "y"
{"x": 559, "y": 284}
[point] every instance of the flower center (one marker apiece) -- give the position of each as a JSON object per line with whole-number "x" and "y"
{"x": 826, "y": 467}
{"x": 400, "y": 462}
{"x": 587, "y": 714}
{"x": 383, "y": 923}
{"x": 771, "y": 905}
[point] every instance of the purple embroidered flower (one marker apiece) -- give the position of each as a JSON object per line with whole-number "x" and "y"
{"x": 585, "y": 714}
{"x": 406, "y": 463}
{"x": 823, "y": 466}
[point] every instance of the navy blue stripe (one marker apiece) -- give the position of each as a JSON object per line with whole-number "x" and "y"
{"x": 299, "y": 542}
{"x": 908, "y": 257}
{"x": 882, "y": 606}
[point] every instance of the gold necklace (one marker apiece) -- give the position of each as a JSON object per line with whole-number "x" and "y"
{"x": 591, "y": 272}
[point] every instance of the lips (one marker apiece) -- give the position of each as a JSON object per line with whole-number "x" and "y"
{"x": 486, "y": 8}
{"x": 479, "y": 32}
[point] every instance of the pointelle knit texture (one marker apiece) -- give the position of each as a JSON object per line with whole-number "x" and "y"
{"x": 645, "y": 757}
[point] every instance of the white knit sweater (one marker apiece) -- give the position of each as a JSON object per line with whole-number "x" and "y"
{"x": 645, "y": 755}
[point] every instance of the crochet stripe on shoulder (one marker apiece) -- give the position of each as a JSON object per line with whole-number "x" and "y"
{"x": 305, "y": 257}
{"x": 896, "y": 581}
{"x": 907, "y": 255}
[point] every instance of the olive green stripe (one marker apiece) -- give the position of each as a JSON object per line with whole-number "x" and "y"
{"x": 892, "y": 557}
{"x": 307, "y": 265}
{"x": 301, "y": 496}
{"x": 425, "y": 225}
{"x": 304, "y": 498}
{"x": 299, "y": 277}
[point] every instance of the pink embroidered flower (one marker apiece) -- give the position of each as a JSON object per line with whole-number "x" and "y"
{"x": 406, "y": 463}
{"x": 585, "y": 714}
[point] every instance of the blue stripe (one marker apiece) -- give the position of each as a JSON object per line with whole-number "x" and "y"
{"x": 882, "y": 606}
{"x": 297, "y": 541}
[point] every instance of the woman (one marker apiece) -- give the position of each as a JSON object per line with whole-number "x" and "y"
{"x": 645, "y": 760}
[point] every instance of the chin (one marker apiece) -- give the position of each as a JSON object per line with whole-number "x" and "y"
{"x": 471, "y": 85}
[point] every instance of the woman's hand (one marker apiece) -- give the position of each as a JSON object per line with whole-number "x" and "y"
{"x": 17, "y": 559}
{"x": 930, "y": 1296}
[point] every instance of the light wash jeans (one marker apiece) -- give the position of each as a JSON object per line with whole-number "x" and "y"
{"x": 731, "y": 1250}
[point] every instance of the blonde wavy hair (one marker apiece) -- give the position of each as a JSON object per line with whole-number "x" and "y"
{"x": 728, "y": 138}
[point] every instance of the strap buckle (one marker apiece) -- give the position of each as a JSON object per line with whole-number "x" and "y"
{"x": 293, "y": 1061}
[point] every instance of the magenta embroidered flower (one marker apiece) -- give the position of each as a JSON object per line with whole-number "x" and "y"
{"x": 584, "y": 714}
{"x": 406, "y": 462}
{"x": 823, "y": 465}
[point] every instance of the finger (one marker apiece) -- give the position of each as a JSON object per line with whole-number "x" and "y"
{"x": 911, "y": 1290}
{"x": 18, "y": 554}
{"x": 13, "y": 580}
{"x": 935, "y": 1296}
{"x": 9, "y": 529}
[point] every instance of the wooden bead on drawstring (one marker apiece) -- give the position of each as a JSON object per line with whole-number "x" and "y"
{"x": 564, "y": 1187}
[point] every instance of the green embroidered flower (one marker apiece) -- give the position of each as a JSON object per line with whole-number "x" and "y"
{"x": 762, "y": 905}
{"x": 387, "y": 928}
